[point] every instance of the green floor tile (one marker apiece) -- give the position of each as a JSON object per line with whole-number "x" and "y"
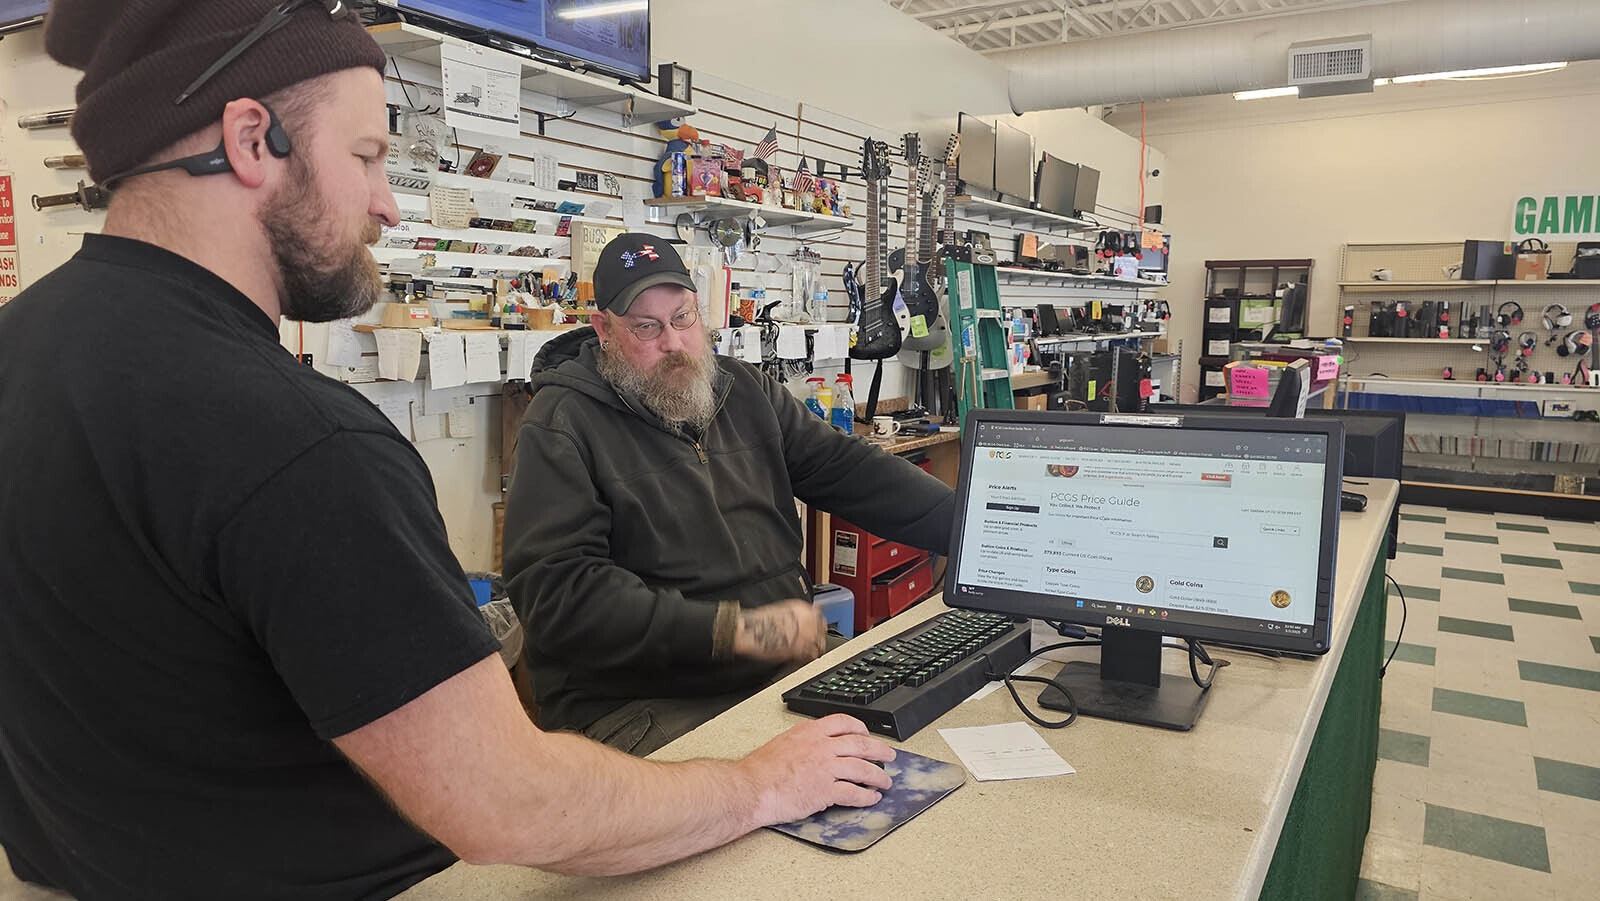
{"x": 1421, "y": 517}
{"x": 1403, "y": 747}
{"x": 1473, "y": 833}
{"x": 1481, "y": 707}
{"x": 1550, "y": 674}
{"x": 1565, "y": 611}
{"x": 1367, "y": 890}
{"x": 1519, "y": 527}
{"x": 1424, "y": 549}
{"x": 1499, "y": 631}
{"x": 1417, "y": 592}
{"x": 1578, "y": 548}
{"x": 1520, "y": 560}
{"x": 1467, "y": 536}
{"x": 1473, "y": 575}
{"x": 1562, "y": 777}
{"x": 1584, "y": 588}
{"x": 1410, "y": 653}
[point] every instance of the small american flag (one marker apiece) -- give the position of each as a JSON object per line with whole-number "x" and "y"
{"x": 803, "y": 181}
{"x": 768, "y": 145}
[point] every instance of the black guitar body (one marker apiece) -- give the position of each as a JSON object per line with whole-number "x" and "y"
{"x": 878, "y": 335}
{"x": 921, "y": 300}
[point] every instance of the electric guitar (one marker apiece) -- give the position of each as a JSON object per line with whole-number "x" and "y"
{"x": 948, "y": 239}
{"x": 926, "y": 330}
{"x": 877, "y": 331}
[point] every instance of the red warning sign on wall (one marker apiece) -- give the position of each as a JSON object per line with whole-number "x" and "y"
{"x": 8, "y": 214}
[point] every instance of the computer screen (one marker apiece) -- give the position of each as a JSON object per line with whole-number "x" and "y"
{"x": 21, "y": 13}
{"x": 1013, "y": 163}
{"x": 1088, "y": 193}
{"x": 611, "y": 36}
{"x": 975, "y": 165}
{"x": 1057, "y": 185}
{"x": 1207, "y": 528}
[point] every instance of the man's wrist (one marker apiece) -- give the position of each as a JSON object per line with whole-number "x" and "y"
{"x": 724, "y": 631}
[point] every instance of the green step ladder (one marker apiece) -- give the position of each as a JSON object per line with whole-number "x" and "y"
{"x": 983, "y": 349}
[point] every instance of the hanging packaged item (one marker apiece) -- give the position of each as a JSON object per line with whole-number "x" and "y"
{"x": 1586, "y": 260}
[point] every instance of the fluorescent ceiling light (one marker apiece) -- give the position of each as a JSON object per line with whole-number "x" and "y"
{"x": 1473, "y": 73}
{"x": 1263, "y": 93}
{"x": 604, "y": 9}
{"x": 1496, "y": 72}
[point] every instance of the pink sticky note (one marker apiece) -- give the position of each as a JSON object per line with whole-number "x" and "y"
{"x": 1327, "y": 368}
{"x": 1248, "y": 382}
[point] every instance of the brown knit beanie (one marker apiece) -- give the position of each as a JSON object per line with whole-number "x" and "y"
{"x": 137, "y": 56}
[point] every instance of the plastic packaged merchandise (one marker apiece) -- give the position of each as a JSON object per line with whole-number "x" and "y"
{"x": 500, "y": 617}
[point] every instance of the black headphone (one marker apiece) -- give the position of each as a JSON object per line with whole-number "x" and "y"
{"x": 1576, "y": 342}
{"x": 1591, "y": 319}
{"x": 1514, "y": 318}
{"x": 1501, "y": 342}
{"x": 216, "y": 162}
{"x": 1557, "y": 316}
{"x": 1533, "y": 245}
{"x": 1529, "y": 341}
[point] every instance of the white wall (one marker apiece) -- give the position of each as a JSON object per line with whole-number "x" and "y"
{"x": 857, "y": 58}
{"x": 1289, "y": 178}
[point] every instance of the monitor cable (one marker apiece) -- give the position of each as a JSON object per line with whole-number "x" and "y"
{"x": 1383, "y": 670}
{"x": 1010, "y": 681}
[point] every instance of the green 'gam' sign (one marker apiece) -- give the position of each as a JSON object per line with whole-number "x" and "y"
{"x": 1558, "y": 216}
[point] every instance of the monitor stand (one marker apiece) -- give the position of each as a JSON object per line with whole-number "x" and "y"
{"x": 1127, "y": 684}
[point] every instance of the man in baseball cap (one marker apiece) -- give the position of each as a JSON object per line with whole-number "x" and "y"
{"x": 237, "y": 656}
{"x": 652, "y": 547}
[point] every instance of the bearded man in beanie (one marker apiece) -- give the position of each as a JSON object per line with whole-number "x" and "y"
{"x": 237, "y": 658}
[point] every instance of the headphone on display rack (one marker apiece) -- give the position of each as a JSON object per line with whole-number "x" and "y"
{"x": 1528, "y": 341}
{"x": 1576, "y": 342}
{"x": 1504, "y": 319}
{"x": 1557, "y": 316}
{"x": 1501, "y": 342}
{"x": 1591, "y": 319}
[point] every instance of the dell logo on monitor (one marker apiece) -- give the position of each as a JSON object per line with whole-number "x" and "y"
{"x": 1117, "y": 621}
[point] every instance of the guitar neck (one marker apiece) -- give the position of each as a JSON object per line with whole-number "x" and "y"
{"x": 874, "y": 242}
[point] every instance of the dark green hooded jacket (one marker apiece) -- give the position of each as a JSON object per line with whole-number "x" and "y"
{"x": 629, "y": 546}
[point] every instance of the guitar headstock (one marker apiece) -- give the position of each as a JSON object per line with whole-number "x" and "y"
{"x": 952, "y": 150}
{"x": 911, "y": 144}
{"x": 874, "y": 160}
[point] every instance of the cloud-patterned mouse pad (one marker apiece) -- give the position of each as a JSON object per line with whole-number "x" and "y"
{"x": 919, "y": 783}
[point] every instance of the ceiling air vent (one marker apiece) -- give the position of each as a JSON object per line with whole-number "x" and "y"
{"x": 1333, "y": 66}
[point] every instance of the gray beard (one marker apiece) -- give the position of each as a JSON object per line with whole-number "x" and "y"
{"x": 664, "y": 391}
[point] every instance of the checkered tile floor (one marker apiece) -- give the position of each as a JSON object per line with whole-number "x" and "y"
{"x": 1488, "y": 778}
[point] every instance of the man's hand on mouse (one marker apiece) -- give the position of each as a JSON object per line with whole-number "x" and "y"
{"x": 817, "y": 765}
{"x": 786, "y": 632}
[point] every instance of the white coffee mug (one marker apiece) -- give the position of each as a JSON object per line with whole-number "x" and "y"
{"x": 885, "y": 426}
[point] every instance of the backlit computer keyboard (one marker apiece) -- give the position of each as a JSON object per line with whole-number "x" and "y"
{"x": 906, "y": 682}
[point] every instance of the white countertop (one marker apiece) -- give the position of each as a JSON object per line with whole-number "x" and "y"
{"x": 1149, "y": 814}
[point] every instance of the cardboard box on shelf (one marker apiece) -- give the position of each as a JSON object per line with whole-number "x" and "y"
{"x": 1532, "y": 267}
{"x": 407, "y": 315}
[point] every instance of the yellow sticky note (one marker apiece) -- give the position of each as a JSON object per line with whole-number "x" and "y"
{"x": 919, "y": 326}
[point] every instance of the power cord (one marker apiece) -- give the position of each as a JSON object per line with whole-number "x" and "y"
{"x": 1383, "y": 670}
{"x": 1011, "y": 680}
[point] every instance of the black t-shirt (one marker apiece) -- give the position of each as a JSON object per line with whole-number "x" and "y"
{"x": 212, "y": 561}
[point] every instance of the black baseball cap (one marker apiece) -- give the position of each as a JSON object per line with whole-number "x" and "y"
{"x": 632, "y": 263}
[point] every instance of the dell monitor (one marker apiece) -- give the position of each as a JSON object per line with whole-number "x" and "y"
{"x": 604, "y": 35}
{"x": 1056, "y": 185}
{"x": 1088, "y": 193}
{"x": 1013, "y": 164}
{"x": 16, "y": 15}
{"x": 975, "y": 165}
{"x": 1199, "y": 527}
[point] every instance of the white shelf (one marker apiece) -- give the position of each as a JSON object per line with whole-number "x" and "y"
{"x": 573, "y": 89}
{"x": 1590, "y": 283}
{"x": 1354, "y": 339}
{"x": 1088, "y": 339}
{"x": 1011, "y": 214}
{"x": 1066, "y": 277}
{"x": 704, "y": 208}
{"x": 1460, "y": 388}
{"x": 1442, "y": 284}
{"x": 474, "y": 261}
